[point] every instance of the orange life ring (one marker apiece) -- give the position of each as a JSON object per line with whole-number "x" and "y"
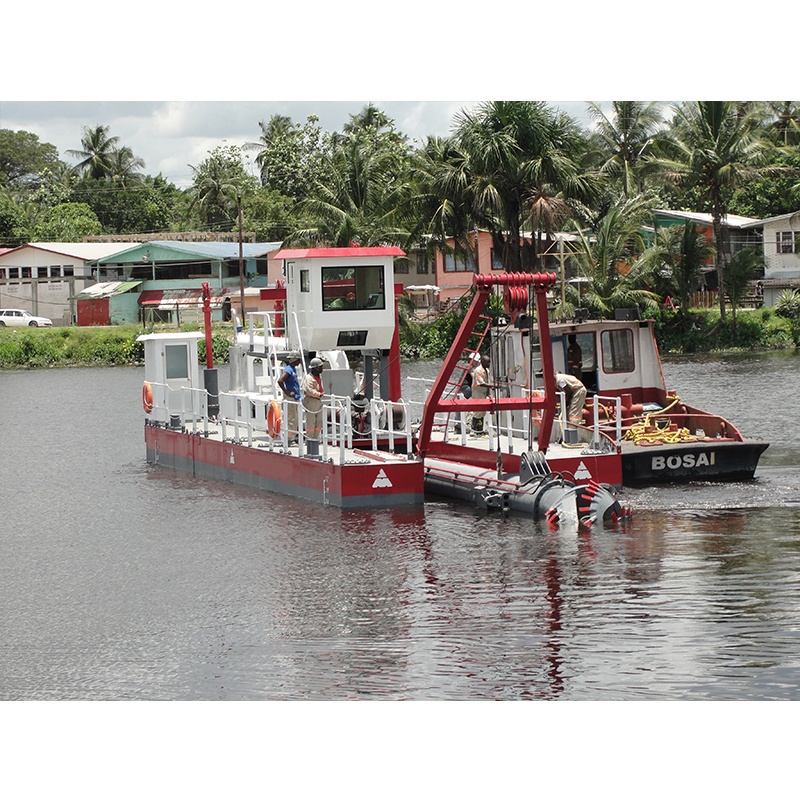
{"x": 274, "y": 419}
{"x": 351, "y": 296}
{"x": 147, "y": 397}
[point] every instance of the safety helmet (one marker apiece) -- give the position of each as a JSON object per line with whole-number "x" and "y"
{"x": 316, "y": 362}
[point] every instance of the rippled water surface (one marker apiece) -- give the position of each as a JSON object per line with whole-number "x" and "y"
{"x": 121, "y": 580}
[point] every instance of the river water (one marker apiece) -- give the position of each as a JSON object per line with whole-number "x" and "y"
{"x": 125, "y": 581}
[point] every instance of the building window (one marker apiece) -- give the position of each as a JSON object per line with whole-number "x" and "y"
{"x": 26, "y": 272}
{"x": 421, "y": 260}
{"x": 13, "y": 272}
{"x": 68, "y": 272}
{"x": 788, "y": 242}
{"x": 453, "y": 264}
{"x": 2, "y": 274}
{"x": 496, "y": 262}
{"x": 401, "y": 266}
{"x": 348, "y": 288}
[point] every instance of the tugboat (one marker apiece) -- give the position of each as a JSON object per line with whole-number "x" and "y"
{"x": 662, "y": 438}
{"x": 361, "y": 451}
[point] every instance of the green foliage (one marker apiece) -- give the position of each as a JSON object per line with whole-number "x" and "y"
{"x": 218, "y": 182}
{"x": 67, "y": 222}
{"x": 63, "y": 347}
{"x": 702, "y": 331}
{"x": 788, "y": 305}
{"x": 12, "y": 222}
{"x": 22, "y": 157}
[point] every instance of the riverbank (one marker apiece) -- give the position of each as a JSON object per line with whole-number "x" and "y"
{"x": 697, "y": 332}
{"x": 116, "y": 345}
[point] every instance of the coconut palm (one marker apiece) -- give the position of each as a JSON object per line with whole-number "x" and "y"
{"x": 358, "y": 202}
{"x": 608, "y": 257}
{"x": 626, "y": 138}
{"x": 97, "y": 153}
{"x": 715, "y": 145}
{"x": 124, "y": 166}
{"x": 744, "y": 267}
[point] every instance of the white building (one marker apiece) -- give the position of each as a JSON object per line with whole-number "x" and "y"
{"x": 45, "y": 277}
{"x": 781, "y": 243}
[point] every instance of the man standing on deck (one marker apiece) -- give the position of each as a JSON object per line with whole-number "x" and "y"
{"x": 575, "y": 396}
{"x": 312, "y": 402}
{"x": 480, "y": 391}
{"x": 290, "y": 386}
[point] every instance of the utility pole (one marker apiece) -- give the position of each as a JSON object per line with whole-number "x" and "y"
{"x": 241, "y": 261}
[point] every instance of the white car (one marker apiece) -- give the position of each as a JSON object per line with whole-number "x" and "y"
{"x": 16, "y": 316}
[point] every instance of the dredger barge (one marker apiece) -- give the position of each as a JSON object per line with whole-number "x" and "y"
{"x": 366, "y": 446}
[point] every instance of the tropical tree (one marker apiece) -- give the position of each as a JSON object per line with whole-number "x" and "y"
{"x": 290, "y": 158}
{"x": 442, "y": 200}
{"x": 626, "y": 138}
{"x": 359, "y": 201}
{"x": 679, "y": 253}
{"x": 608, "y": 258}
{"x": 124, "y": 166}
{"x": 97, "y": 154}
{"x": 714, "y": 146}
{"x": 744, "y": 267}
{"x": 218, "y": 183}
{"x": 13, "y": 223}
{"x": 68, "y": 222}
{"x": 514, "y": 149}
{"x": 23, "y": 157}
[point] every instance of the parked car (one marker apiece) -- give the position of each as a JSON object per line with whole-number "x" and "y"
{"x": 16, "y": 316}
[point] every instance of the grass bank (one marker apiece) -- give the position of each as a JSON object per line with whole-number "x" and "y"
{"x": 22, "y": 348}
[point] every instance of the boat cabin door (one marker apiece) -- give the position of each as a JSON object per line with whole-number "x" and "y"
{"x": 579, "y": 355}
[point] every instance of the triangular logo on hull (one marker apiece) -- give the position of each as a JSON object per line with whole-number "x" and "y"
{"x": 582, "y": 473}
{"x": 381, "y": 481}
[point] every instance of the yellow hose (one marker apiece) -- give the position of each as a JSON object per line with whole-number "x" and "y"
{"x": 644, "y": 432}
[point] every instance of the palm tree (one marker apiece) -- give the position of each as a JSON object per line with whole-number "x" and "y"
{"x": 714, "y": 146}
{"x": 278, "y": 130}
{"x": 124, "y": 166}
{"x": 515, "y": 148}
{"x": 744, "y": 267}
{"x": 442, "y": 197}
{"x": 358, "y": 201}
{"x": 626, "y": 140}
{"x": 98, "y": 152}
{"x": 681, "y": 251}
{"x": 785, "y": 121}
{"x": 608, "y": 257}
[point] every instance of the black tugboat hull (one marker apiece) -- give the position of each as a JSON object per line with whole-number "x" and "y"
{"x": 651, "y": 465}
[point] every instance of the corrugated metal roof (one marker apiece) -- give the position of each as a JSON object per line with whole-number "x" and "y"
{"x": 86, "y": 251}
{"x": 165, "y": 299}
{"x": 215, "y": 251}
{"x": 731, "y": 220}
{"x": 107, "y": 289}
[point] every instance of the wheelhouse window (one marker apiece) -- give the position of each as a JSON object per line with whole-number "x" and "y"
{"x": 617, "y": 349}
{"x": 353, "y": 288}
